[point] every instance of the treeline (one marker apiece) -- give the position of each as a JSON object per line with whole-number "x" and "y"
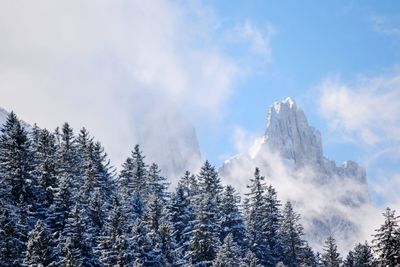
{"x": 62, "y": 204}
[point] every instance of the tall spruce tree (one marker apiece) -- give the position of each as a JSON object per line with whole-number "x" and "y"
{"x": 360, "y": 256}
{"x": 229, "y": 255}
{"x": 39, "y": 252}
{"x": 15, "y": 161}
{"x": 114, "y": 232}
{"x": 331, "y": 257}
{"x": 44, "y": 152}
{"x": 207, "y": 229}
{"x": 387, "y": 240}
{"x": 232, "y": 222}
{"x": 291, "y": 237}
{"x": 256, "y": 221}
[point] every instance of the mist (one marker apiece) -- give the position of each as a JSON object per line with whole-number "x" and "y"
{"x": 129, "y": 71}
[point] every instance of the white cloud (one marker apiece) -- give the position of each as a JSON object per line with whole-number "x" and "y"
{"x": 258, "y": 40}
{"x": 385, "y": 26}
{"x": 366, "y": 111}
{"x": 130, "y": 71}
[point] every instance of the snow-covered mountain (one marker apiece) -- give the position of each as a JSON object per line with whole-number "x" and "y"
{"x": 290, "y": 155}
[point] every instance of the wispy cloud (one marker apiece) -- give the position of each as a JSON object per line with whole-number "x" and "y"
{"x": 256, "y": 39}
{"x": 365, "y": 111}
{"x": 130, "y": 71}
{"x": 385, "y": 25}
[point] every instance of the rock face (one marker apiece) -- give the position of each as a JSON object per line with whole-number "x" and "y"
{"x": 290, "y": 155}
{"x": 289, "y": 133}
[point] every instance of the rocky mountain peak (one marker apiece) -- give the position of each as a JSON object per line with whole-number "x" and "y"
{"x": 289, "y": 133}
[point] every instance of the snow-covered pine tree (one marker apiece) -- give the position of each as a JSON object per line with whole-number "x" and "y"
{"x": 78, "y": 230}
{"x": 44, "y": 151}
{"x": 229, "y": 255}
{"x": 16, "y": 161}
{"x": 114, "y": 229}
{"x": 181, "y": 214}
{"x": 250, "y": 260}
{"x": 140, "y": 244}
{"x": 360, "y": 256}
{"x": 205, "y": 241}
{"x": 156, "y": 183}
{"x": 67, "y": 160}
{"x": 291, "y": 237}
{"x": 189, "y": 184}
{"x": 167, "y": 246}
{"x": 273, "y": 219}
{"x": 331, "y": 257}
{"x": 12, "y": 239}
{"x": 132, "y": 179}
{"x": 39, "y": 252}
{"x": 309, "y": 258}
{"x": 57, "y": 214}
{"x": 154, "y": 212}
{"x": 255, "y": 219}
{"x": 387, "y": 240}
{"x": 232, "y": 220}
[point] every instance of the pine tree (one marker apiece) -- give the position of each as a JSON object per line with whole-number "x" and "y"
{"x": 77, "y": 230}
{"x": 250, "y": 260}
{"x": 39, "y": 253}
{"x": 181, "y": 214}
{"x": 12, "y": 239}
{"x": 140, "y": 244}
{"x": 331, "y": 257}
{"x": 15, "y": 161}
{"x": 272, "y": 219}
{"x": 156, "y": 183}
{"x": 361, "y": 256}
{"x": 45, "y": 168}
{"x": 232, "y": 220}
{"x": 68, "y": 161}
{"x": 255, "y": 218}
{"x": 206, "y": 230}
{"x": 290, "y": 234}
{"x": 114, "y": 230}
{"x": 132, "y": 179}
{"x": 387, "y": 240}
{"x": 229, "y": 253}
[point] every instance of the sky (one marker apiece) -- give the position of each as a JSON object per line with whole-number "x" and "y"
{"x": 113, "y": 65}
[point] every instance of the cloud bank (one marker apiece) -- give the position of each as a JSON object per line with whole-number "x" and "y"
{"x": 130, "y": 71}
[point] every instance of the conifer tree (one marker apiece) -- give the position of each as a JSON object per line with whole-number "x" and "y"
{"x": 387, "y": 240}
{"x": 39, "y": 253}
{"x": 181, "y": 214}
{"x": 15, "y": 161}
{"x": 273, "y": 220}
{"x": 132, "y": 179}
{"x": 291, "y": 237}
{"x": 250, "y": 260}
{"x": 45, "y": 168}
{"x": 232, "y": 220}
{"x": 256, "y": 221}
{"x": 140, "y": 244}
{"x": 12, "y": 239}
{"x": 114, "y": 230}
{"x": 156, "y": 183}
{"x": 331, "y": 257}
{"x": 77, "y": 230}
{"x": 229, "y": 254}
{"x": 360, "y": 256}
{"x": 206, "y": 230}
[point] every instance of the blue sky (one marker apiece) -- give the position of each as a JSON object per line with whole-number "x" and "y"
{"x": 126, "y": 67}
{"x": 311, "y": 41}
